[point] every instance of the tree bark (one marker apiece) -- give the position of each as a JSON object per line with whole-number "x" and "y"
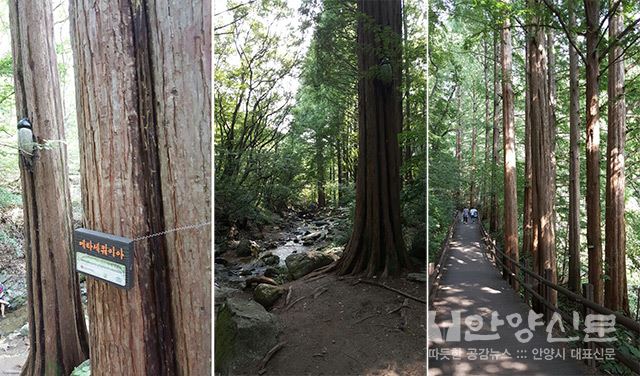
{"x": 376, "y": 244}
{"x": 527, "y": 223}
{"x": 509, "y": 145}
{"x": 594, "y": 237}
{"x": 487, "y": 128}
{"x": 493, "y": 220}
{"x": 57, "y": 331}
{"x": 574, "y": 163}
{"x": 142, "y": 88}
{"x": 542, "y": 158}
{"x": 615, "y": 286}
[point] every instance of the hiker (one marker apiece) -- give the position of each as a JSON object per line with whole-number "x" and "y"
{"x": 3, "y": 301}
{"x": 465, "y": 215}
{"x": 474, "y": 214}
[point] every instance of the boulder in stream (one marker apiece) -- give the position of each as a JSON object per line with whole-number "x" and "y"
{"x": 301, "y": 264}
{"x": 270, "y": 259}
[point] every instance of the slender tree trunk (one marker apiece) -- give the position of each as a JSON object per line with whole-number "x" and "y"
{"x": 142, "y": 88}
{"x": 472, "y": 178}
{"x": 615, "y": 286}
{"x": 493, "y": 221}
{"x": 487, "y": 128}
{"x": 376, "y": 244}
{"x": 320, "y": 172}
{"x": 594, "y": 236}
{"x": 527, "y": 223}
{"x": 574, "y": 163}
{"x": 57, "y": 335}
{"x": 542, "y": 158}
{"x": 509, "y": 144}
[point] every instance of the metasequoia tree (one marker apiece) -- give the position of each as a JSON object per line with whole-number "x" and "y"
{"x": 142, "y": 87}
{"x": 594, "y": 236}
{"x": 574, "y": 160}
{"x": 542, "y": 158}
{"x": 57, "y": 334}
{"x": 615, "y": 286}
{"x": 495, "y": 154}
{"x": 376, "y": 244}
{"x": 509, "y": 144}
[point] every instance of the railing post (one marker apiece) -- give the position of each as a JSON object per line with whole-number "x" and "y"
{"x": 587, "y": 290}
{"x": 526, "y": 282}
{"x": 547, "y": 295}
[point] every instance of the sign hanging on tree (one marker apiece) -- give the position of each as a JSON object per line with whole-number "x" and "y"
{"x": 104, "y": 256}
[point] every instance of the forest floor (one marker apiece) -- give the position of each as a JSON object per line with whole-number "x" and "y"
{"x": 351, "y": 329}
{"x": 331, "y": 325}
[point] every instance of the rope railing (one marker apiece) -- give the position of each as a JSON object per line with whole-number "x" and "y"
{"x": 622, "y": 320}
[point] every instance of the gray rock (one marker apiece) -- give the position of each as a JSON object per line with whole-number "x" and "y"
{"x": 301, "y": 264}
{"x": 247, "y": 247}
{"x": 334, "y": 252}
{"x": 270, "y": 259}
{"x": 24, "y": 331}
{"x": 266, "y": 294}
{"x": 312, "y": 236}
{"x": 244, "y": 333}
{"x": 271, "y": 272}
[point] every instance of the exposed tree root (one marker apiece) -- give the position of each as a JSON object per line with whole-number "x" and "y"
{"x": 374, "y": 283}
{"x": 268, "y": 356}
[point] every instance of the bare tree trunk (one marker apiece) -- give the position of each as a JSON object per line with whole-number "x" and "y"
{"x": 509, "y": 144}
{"x": 376, "y": 244}
{"x": 527, "y": 223}
{"x": 542, "y": 156}
{"x": 574, "y": 163}
{"x": 487, "y": 127}
{"x": 142, "y": 87}
{"x": 594, "y": 237}
{"x": 493, "y": 220}
{"x": 615, "y": 286}
{"x": 57, "y": 335}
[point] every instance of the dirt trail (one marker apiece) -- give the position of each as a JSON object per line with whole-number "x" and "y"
{"x": 350, "y": 330}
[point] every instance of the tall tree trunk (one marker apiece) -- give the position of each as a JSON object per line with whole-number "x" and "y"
{"x": 493, "y": 221}
{"x": 615, "y": 286}
{"x": 527, "y": 223}
{"x": 320, "y": 172}
{"x": 509, "y": 144}
{"x": 487, "y": 128}
{"x": 376, "y": 244}
{"x": 57, "y": 335}
{"x": 542, "y": 159}
{"x": 574, "y": 163}
{"x": 142, "y": 88}
{"x": 407, "y": 102}
{"x": 472, "y": 178}
{"x": 594, "y": 237}
{"x": 181, "y": 62}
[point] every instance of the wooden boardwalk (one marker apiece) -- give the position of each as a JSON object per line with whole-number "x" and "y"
{"x": 472, "y": 285}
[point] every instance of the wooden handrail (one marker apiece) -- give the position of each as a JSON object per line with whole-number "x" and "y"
{"x": 435, "y": 276}
{"x": 627, "y": 322}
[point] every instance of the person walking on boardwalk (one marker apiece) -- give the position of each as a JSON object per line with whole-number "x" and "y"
{"x": 474, "y": 214}
{"x": 465, "y": 215}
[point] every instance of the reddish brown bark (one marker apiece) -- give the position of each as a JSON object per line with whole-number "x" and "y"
{"x": 615, "y": 286}
{"x": 509, "y": 144}
{"x": 57, "y": 332}
{"x": 495, "y": 155}
{"x": 376, "y": 245}
{"x": 594, "y": 236}
{"x": 142, "y": 88}
{"x": 574, "y": 163}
